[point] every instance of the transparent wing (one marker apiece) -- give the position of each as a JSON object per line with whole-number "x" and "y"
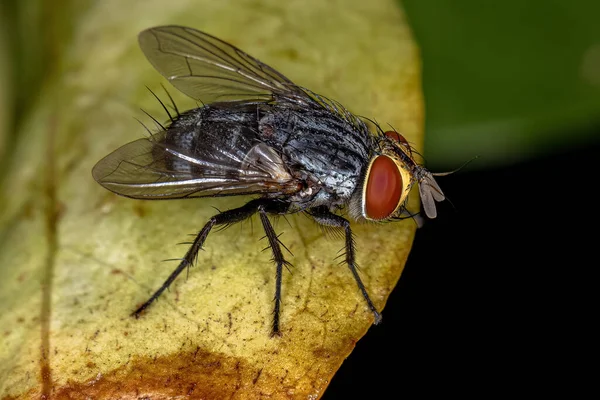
{"x": 150, "y": 169}
{"x": 209, "y": 69}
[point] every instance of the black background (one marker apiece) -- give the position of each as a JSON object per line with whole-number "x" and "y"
{"x": 497, "y": 291}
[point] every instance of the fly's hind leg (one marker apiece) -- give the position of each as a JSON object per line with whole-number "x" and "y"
{"x": 323, "y": 216}
{"x": 224, "y": 218}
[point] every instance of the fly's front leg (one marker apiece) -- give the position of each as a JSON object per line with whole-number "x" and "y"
{"x": 323, "y": 216}
{"x": 274, "y": 207}
{"x": 224, "y": 218}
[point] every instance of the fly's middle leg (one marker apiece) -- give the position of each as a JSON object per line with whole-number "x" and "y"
{"x": 224, "y": 218}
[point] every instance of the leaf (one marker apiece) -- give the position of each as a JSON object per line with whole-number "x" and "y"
{"x": 76, "y": 260}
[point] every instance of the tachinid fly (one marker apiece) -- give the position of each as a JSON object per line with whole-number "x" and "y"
{"x": 260, "y": 134}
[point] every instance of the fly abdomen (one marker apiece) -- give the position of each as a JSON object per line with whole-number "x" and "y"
{"x": 211, "y": 133}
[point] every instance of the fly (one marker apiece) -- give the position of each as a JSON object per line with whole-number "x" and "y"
{"x": 260, "y": 134}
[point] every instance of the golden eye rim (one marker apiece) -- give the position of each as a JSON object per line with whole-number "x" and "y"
{"x": 407, "y": 180}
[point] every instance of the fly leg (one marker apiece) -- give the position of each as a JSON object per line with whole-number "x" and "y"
{"x": 323, "y": 216}
{"x": 224, "y": 218}
{"x": 275, "y": 208}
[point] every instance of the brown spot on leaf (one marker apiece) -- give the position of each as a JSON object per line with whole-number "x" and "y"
{"x": 139, "y": 209}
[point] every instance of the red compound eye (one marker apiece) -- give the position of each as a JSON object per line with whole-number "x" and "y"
{"x": 384, "y": 188}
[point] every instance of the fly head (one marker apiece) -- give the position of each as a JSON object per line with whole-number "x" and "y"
{"x": 388, "y": 179}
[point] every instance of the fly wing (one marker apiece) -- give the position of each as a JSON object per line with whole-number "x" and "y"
{"x": 209, "y": 69}
{"x": 150, "y": 168}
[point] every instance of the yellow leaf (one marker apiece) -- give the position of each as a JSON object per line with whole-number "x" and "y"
{"x": 76, "y": 260}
